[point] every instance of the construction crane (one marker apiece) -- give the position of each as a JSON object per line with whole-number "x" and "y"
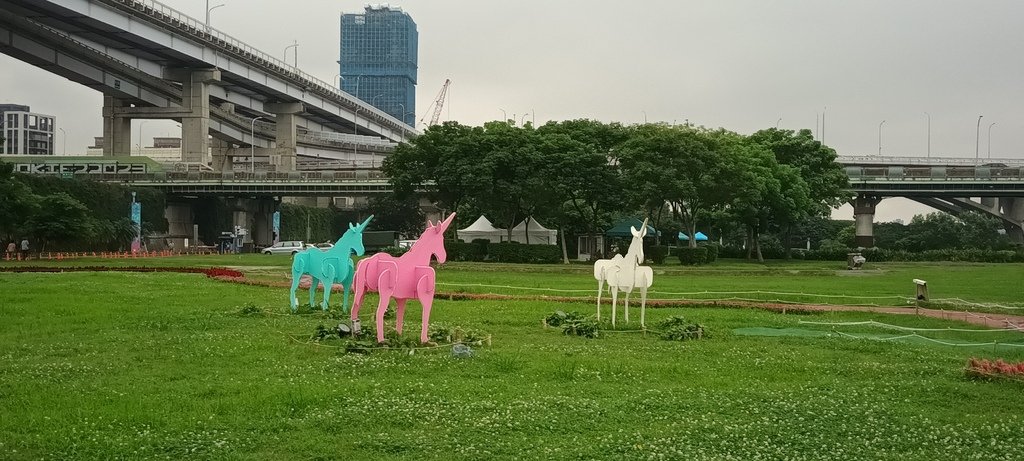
{"x": 438, "y": 104}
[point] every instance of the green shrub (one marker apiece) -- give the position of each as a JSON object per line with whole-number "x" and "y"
{"x": 676, "y": 328}
{"x": 712, "y": 252}
{"x": 522, "y": 253}
{"x": 658, "y": 253}
{"x": 692, "y": 256}
{"x": 460, "y": 251}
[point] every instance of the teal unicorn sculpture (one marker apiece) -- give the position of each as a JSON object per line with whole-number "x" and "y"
{"x": 329, "y": 266}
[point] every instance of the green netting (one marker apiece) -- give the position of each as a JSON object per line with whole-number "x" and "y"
{"x": 909, "y": 338}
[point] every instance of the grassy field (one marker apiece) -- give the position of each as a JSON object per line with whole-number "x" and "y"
{"x": 140, "y": 366}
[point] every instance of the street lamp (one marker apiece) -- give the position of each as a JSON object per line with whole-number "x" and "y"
{"x": 65, "y": 136}
{"x": 522, "y": 119}
{"x": 777, "y": 122}
{"x": 296, "y": 53}
{"x": 977, "y": 139}
{"x": 355, "y": 133}
{"x": 880, "y": 138}
{"x": 645, "y": 116}
{"x": 252, "y": 145}
{"x": 504, "y": 115}
{"x": 208, "y": 11}
{"x": 990, "y": 139}
{"x": 929, "y": 134}
{"x": 373, "y": 101}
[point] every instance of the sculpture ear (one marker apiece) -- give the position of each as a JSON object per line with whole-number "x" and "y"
{"x": 351, "y": 226}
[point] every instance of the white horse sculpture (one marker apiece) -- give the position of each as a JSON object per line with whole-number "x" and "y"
{"x": 625, "y": 273}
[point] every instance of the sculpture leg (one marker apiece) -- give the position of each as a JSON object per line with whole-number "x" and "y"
{"x": 293, "y": 301}
{"x": 615, "y": 296}
{"x": 385, "y": 288}
{"x": 643, "y": 304}
{"x": 627, "y": 306}
{"x": 359, "y": 286}
{"x": 425, "y": 294}
{"x": 600, "y": 288}
{"x": 399, "y": 314}
{"x": 345, "y": 285}
{"x": 313, "y": 283}
{"x": 328, "y": 287}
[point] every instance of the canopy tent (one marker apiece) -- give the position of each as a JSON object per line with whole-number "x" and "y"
{"x": 623, "y": 228}
{"x": 481, "y": 229}
{"x": 539, "y": 235}
{"x": 700, "y": 237}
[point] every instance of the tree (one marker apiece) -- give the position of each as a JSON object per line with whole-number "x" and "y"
{"x": 674, "y": 164}
{"x": 402, "y": 215}
{"x": 18, "y": 203}
{"x": 982, "y": 231}
{"x": 60, "y": 217}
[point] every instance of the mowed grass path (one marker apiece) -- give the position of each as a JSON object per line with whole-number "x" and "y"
{"x": 139, "y": 366}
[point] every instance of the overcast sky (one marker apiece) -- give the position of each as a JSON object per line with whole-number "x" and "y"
{"x": 741, "y": 65}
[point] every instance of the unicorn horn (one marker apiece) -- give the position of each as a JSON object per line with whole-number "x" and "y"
{"x": 365, "y": 223}
{"x": 443, "y": 226}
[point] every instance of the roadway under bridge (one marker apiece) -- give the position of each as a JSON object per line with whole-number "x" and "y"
{"x": 232, "y": 100}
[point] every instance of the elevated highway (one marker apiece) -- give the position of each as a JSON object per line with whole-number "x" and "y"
{"x": 153, "y": 62}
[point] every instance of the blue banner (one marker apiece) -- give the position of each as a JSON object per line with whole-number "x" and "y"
{"x": 277, "y": 226}
{"x": 137, "y": 224}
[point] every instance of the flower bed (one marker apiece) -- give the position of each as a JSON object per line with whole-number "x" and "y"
{"x": 986, "y": 369}
{"x": 213, "y": 272}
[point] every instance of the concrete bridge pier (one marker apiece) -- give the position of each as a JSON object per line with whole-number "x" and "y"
{"x": 180, "y": 225}
{"x": 286, "y": 117}
{"x": 117, "y": 130}
{"x": 864, "y": 216}
{"x": 256, "y": 216}
{"x": 195, "y": 123}
{"x": 1013, "y": 207}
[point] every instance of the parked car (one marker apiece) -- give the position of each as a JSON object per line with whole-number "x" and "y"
{"x": 325, "y": 246}
{"x": 286, "y": 247}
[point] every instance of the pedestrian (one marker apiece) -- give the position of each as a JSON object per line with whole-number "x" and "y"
{"x": 24, "y": 248}
{"x": 12, "y": 251}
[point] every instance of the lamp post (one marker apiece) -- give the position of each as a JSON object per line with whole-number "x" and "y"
{"x": 777, "y": 122}
{"x": 252, "y": 145}
{"x": 990, "y": 139}
{"x": 926, "y": 114}
{"x": 403, "y": 112}
{"x": 645, "y": 116}
{"x": 64, "y": 134}
{"x": 373, "y": 100}
{"x": 977, "y": 139}
{"x": 504, "y": 115}
{"x": 522, "y": 119}
{"x": 823, "y": 124}
{"x": 880, "y": 138}
{"x": 209, "y": 9}
{"x": 296, "y": 53}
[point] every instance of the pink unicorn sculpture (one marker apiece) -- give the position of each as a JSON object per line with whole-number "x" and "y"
{"x": 403, "y": 278}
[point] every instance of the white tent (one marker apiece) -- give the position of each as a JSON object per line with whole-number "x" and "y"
{"x": 539, "y": 235}
{"x": 481, "y": 229}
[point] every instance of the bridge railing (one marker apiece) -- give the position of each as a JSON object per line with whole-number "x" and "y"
{"x": 926, "y": 161}
{"x": 192, "y": 27}
{"x": 934, "y": 173}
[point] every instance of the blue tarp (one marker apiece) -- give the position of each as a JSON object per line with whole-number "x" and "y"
{"x": 700, "y": 237}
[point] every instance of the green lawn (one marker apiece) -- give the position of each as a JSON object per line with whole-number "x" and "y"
{"x": 134, "y": 365}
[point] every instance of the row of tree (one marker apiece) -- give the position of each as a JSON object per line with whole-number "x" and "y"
{"x": 581, "y": 175}
{"x": 72, "y": 214}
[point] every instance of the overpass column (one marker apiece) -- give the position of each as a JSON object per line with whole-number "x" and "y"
{"x": 1014, "y": 208}
{"x": 864, "y": 215}
{"x": 287, "y": 136}
{"x": 195, "y": 99}
{"x": 117, "y": 130}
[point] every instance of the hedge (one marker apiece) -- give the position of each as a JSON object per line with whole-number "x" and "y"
{"x": 658, "y": 253}
{"x": 692, "y": 256}
{"x": 522, "y": 253}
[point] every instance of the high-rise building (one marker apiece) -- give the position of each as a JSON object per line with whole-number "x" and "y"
{"x": 24, "y": 132}
{"x": 379, "y": 55}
